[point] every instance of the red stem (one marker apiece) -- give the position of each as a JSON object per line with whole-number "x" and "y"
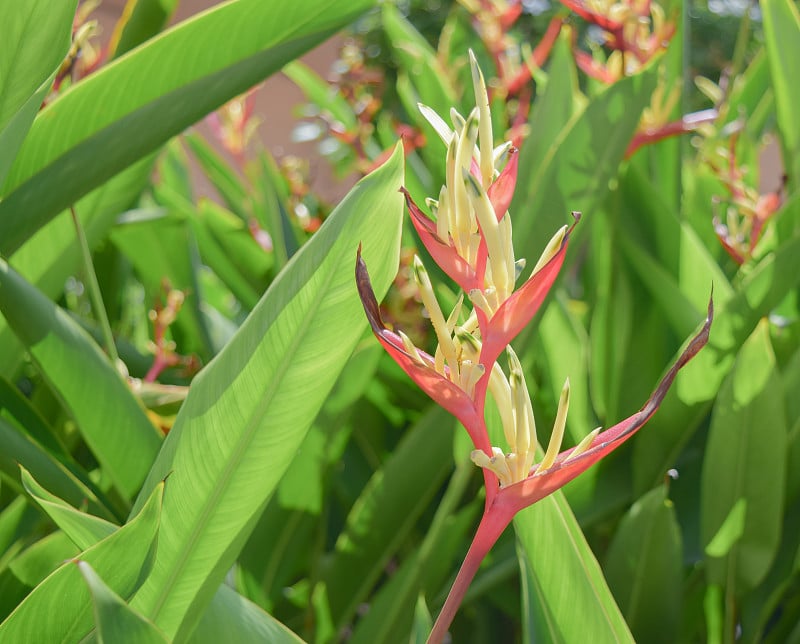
{"x": 492, "y": 524}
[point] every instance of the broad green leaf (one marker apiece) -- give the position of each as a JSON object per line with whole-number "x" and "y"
{"x": 130, "y": 107}
{"x": 218, "y": 232}
{"x": 36, "y": 562}
{"x": 322, "y": 93}
{"x": 573, "y": 171}
{"x": 565, "y": 347}
{"x": 110, "y": 419}
{"x": 782, "y": 42}
{"x": 612, "y": 322}
{"x": 303, "y": 485}
{"x": 114, "y": 620}
{"x": 14, "y": 404}
{"x": 744, "y": 468}
{"x": 247, "y": 257}
{"x": 15, "y": 520}
{"x": 52, "y": 253}
{"x": 672, "y": 242}
{"x": 790, "y": 376}
{"x": 644, "y": 568}
{"x": 63, "y": 597}
{"x": 550, "y": 115}
{"x": 84, "y": 530}
{"x": 688, "y": 401}
{"x": 290, "y": 537}
{"x": 426, "y": 571}
{"x": 384, "y": 513}
{"x": 36, "y": 36}
{"x": 554, "y": 558}
{"x": 422, "y": 78}
{"x": 233, "y": 618}
{"x": 760, "y": 607}
{"x": 57, "y": 472}
{"x": 221, "y": 174}
{"x": 676, "y": 308}
{"x": 418, "y": 59}
{"x": 272, "y": 209}
{"x": 140, "y": 20}
{"x": 249, "y": 410}
{"x": 161, "y": 249}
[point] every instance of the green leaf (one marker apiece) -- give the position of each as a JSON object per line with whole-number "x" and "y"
{"x": 250, "y": 408}
{"x": 393, "y": 611}
{"x": 551, "y": 114}
{"x": 129, "y": 108}
{"x": 303, "y": 485}
{"x": 384, "y": 513}
{"x": 114, "y": 620}
{"x": 228, "y": 248}
{"x": 744, "y": 469}
{"x": 782, "y": 42}
{"x": 84, "y": 530}
{"x": 141, "y": 20}
{"x": 573, "y": 170}
{"x": 729, "y": 532}
{"x": 687, "y": 403}
{"x": 418, "y": 59}
{"x": 272, "y": 209}
{"x": 63, "y": 597}
{"x": 423, "y": 622}
{"x": 36, "y": 562}
{"x": 233, "y": 618}
{"x": 421, "y": 79}
{"x": 52, "y": 253}
{"x": 163, "y": 248}
{"x": 644, "y": 568}
{"x": 760, "y": 607}
{"x": 565, "y": 348}
{"x": 36, "y": 36}
{"x": 318, "y": 91}
{"x": 221, "y": 174}
{"x": 56, "y": 471}
{"x": 553, "y": 552}
{"x": 110, "y": 419}
{"x": 22, "y": 411}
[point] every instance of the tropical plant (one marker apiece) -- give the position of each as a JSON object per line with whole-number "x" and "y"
{"x": 201, "y": 438}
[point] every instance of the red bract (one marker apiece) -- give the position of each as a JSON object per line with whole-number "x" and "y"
{"x": 420, "y": 368}
{"x": 442, "y": 251}
{"x": 518, "y": 310}
{"x": 501, "y": 192}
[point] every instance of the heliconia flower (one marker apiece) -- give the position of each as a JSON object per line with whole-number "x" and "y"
{"x": 553, "y": 473}
{"x": 421, "y": 367}
{"x": 635, "y": 29}
{"x": 470, "y": 236}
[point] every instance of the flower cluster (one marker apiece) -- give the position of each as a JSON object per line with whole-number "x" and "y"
{"x": 470, "y": 237}
{"x": 635, "y": 31}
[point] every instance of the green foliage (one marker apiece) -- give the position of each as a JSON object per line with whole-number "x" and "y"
{"x": 255, "y": 468}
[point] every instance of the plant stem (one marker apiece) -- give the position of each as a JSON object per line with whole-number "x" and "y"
{"x": 94, "y": 289}
{"x": 492, "y": 524}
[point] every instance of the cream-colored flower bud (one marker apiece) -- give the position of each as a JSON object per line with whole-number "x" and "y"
{"x": 558, "y": 431}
